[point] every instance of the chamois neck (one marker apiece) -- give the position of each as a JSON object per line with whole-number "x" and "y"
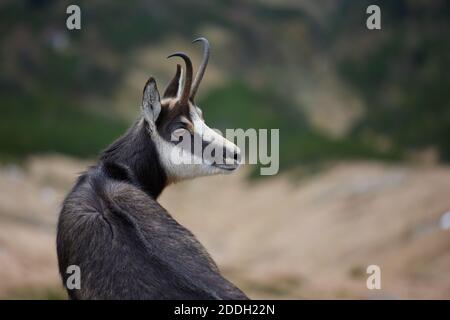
{"x": 134, "y": 157}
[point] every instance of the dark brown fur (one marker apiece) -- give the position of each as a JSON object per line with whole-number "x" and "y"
{"x": 125, "y": 243}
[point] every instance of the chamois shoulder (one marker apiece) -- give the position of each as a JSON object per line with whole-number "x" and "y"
{"x": 108, "y": 223}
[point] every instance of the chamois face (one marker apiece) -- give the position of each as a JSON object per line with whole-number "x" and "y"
{"x": 187, "y": 147}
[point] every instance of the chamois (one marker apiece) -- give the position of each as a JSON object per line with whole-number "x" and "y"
{"x": 126, "y": 245}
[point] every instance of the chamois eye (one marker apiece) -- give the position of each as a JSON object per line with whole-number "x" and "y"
{"x": 177, "y": 135}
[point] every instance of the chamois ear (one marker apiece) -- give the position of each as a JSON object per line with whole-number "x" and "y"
{"x": 172, "y": 88}
{"x": 151, "y": 103}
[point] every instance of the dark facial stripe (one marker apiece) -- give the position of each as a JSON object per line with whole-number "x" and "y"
{"x": 173, "y": 113}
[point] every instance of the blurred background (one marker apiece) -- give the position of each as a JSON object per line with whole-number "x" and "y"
{"x": 364, "y": 119}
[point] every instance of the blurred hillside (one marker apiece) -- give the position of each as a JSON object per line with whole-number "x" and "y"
{"x": 338, "y": 93}
{"x": 311, "y": 68}
{"x": 273, "y": 238}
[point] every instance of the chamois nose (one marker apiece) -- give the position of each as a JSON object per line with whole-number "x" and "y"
{"x": 237, "y": 155}
{"x": 230, "y": 159}
{"x": 227, "y": 154}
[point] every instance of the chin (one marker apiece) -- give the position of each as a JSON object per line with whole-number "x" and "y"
{"x": 186, "y": 172}
{"x": 210, "y": 170}
{"x": 228, "y": 171}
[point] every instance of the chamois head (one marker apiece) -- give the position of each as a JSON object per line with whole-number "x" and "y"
{"x": 186, "y": 146}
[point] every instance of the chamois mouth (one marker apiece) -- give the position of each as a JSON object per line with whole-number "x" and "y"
{"x": 227, "y": 167}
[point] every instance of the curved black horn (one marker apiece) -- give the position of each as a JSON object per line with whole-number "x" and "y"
{"x": 202, "y": 68}
{"x": 188, "y": 80}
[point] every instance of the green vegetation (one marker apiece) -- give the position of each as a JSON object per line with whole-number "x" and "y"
{"x": 48, "y": 74}
{"x": 403, "y": 76}
{"x": 238, "y": 106}
{"x": 27, "y": 128}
